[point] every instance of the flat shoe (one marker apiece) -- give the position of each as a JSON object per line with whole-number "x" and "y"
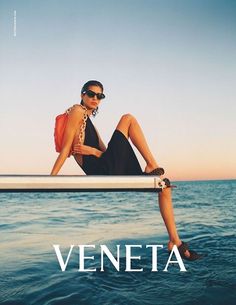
{"x": 159, "y": 171}
{"x": 193, "y": 255}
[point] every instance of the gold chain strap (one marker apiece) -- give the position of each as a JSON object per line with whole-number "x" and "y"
{"x": 83, "y": 126}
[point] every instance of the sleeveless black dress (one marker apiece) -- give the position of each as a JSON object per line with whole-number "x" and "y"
{"x": 118, "y": 159}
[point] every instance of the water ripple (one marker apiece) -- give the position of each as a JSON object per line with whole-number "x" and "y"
{"x": 32, "y": 222}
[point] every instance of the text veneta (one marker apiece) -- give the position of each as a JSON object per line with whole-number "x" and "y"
{"x": 114, "y": 257}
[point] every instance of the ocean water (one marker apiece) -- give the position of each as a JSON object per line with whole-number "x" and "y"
{"x": 31, "y": 223}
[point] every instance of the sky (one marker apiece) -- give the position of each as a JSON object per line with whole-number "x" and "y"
{"x": 172, "y": 64}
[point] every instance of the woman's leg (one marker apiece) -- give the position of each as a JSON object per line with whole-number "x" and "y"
{"x": 167, "y": 213}
{"x": 130, "y": 127}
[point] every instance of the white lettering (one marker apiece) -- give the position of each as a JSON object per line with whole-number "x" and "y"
{"x": 179, "y": 259}
{"x": 154, "y": 255}
{"x": 129, "y": 258}
{"x": 116, "y": 263}
{"x": 82, "y": 257}
{"x": 104, "y": 250}
{"x": 59, "y": 256}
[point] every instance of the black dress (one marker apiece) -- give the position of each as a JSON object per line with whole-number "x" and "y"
{"x": 118, "y": 159}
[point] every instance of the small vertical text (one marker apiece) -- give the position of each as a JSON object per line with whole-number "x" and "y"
{"x": 14, "y": 23}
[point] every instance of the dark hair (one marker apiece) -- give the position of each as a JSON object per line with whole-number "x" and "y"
{"x": 86, "y": 87}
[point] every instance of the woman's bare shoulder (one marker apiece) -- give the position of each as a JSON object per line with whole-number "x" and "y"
{"x": 76, "y": 111}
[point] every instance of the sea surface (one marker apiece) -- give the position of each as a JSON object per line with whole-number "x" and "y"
{"x": 31, "y": 223}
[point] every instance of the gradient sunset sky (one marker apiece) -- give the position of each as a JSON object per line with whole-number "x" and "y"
{"x": 172, "y": 64}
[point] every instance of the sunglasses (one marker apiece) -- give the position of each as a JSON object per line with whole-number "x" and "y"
{"x": 90, "y": 93}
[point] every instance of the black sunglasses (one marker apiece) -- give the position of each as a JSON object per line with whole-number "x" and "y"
{"x": 91, "y": 93}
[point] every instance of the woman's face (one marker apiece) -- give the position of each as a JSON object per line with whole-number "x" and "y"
{"x": 89, "y": 102}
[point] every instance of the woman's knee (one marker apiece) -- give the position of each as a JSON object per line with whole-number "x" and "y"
{"x": 124, "y": 124}
{"x": 127, "y": 118}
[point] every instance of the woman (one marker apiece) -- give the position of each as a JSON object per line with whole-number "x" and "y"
{"x": 119, "y": 158}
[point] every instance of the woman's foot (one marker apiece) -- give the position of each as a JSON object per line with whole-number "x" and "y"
{"x": 154, "y": 170}
{"x": 184, "y": 251}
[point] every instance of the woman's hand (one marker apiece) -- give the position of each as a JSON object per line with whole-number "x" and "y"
{"x": 86, "y": 150}
{"x": 83, "y": 149}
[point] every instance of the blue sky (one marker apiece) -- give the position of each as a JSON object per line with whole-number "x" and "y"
{"x": 170, "y": 63}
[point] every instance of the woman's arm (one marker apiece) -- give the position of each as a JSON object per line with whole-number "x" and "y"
{"x": 74, "y": 120}
{"x": 88, "y": 150}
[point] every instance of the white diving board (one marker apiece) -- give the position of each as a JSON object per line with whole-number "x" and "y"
{"x": 47, "y": 183}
